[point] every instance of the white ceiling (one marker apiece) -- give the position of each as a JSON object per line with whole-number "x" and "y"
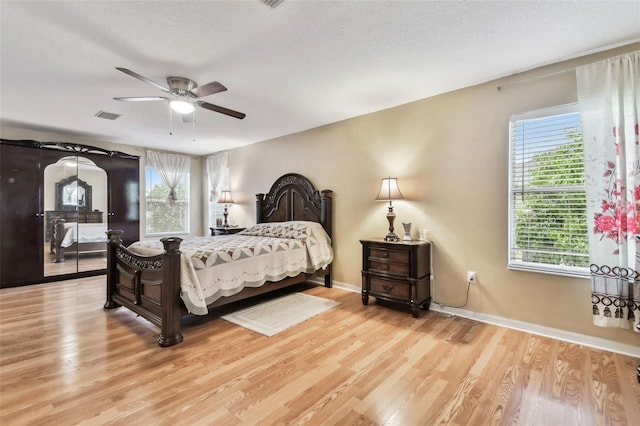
{"x": 298, "y": 66}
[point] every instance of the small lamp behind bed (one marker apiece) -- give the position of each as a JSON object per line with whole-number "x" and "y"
{"x": 225, "y": 198}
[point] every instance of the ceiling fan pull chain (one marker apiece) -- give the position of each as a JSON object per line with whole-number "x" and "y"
{"x": 170, "y": 121}
{"x": 193, "y": 125}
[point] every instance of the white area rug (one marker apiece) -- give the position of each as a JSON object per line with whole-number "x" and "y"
{"x": 277, "y": 315}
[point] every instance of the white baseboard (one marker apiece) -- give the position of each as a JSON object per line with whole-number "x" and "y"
{"x": 554, "y": 333}
{"x": 540, "y": 330}
{"x": 349, "y": 287}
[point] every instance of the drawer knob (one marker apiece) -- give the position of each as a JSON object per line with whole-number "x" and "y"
{"x": 387, "y": 287}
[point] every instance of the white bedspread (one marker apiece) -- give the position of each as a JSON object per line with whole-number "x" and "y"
{"x": 84, "y": 233}
{"x": 214, "y": 267}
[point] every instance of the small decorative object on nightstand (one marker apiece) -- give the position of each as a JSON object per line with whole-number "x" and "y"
{"x": 397, "y": 272}
{"x": 225, "y": 230}
{"x": 407, "y": 231}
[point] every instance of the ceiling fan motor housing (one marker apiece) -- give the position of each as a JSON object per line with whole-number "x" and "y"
{"x": 181, "y": 86}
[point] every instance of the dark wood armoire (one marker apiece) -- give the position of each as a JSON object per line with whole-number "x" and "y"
{"x": 22, "y": 210}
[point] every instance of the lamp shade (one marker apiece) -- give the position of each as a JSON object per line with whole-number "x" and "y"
{"x": 389, "y": 190}
{"x": 225, "y": 198}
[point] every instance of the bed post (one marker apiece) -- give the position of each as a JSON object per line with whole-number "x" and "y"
{"x": 325, "y": 219}
{"x": 259, "y": 200}
{"x": 170, "y": 293}
{"x": 114, "y": 242}
{"x": 56, "y": 239}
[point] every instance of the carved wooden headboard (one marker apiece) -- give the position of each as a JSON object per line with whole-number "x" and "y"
{"x": 293, "y": 197}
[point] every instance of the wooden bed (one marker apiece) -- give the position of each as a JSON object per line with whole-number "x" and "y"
{"x": 150, "y": 285}
{"x": 77, "y": 248}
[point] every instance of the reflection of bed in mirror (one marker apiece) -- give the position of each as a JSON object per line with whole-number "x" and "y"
{"x": 77, "y": 238}
{"x": 70, "y": 216}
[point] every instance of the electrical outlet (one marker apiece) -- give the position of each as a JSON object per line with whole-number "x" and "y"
{"x": 471, "y": 277}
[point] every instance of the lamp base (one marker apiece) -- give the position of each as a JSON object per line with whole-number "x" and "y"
{"x": 391, "y": 216}
{"x": 391, "y": 237}
{"x": 225, "y": 214}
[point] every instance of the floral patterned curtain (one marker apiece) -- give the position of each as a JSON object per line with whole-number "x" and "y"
{"x": 609, "y": 99}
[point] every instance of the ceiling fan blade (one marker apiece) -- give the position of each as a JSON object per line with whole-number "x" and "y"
{"x": 221, "y": 110}
{"x": 145, "y": 79}
{"x": 187, "y": 118}
{"x": 208, "y": 89}
{"x": 141, "y": 99}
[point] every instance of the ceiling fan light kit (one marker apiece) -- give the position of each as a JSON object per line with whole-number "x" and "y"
{"x": 182, "y": 106}
{"x": 183, "y": 92}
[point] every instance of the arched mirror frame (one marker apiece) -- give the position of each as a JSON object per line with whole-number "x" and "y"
{"x": 75, "y": 234}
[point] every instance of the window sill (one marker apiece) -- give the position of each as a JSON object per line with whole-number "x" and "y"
{"x": 550, "y": 270}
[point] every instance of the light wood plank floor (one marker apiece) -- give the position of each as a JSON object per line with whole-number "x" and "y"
{"x": 65, "y": 360}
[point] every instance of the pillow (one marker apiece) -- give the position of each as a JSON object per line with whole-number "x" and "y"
{"x": 297, "y": 230}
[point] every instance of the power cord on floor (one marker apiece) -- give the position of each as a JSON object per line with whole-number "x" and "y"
{"x": 448, "y": 315}
{"x": 460, "y": 306}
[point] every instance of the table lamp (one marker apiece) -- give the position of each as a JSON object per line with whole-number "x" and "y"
{"x": 225, "y": 198}
{"x": 389, "y": 191}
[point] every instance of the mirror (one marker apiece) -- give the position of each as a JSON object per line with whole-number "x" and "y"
{"x": 75, "y": 205}
{"x": 73, "y": 193}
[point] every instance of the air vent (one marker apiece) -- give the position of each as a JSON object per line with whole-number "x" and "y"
{"x": 107, "y": 115}
{"x": 272, "y": 3}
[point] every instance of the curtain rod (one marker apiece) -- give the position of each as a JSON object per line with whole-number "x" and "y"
{"x": 526, "y": 80}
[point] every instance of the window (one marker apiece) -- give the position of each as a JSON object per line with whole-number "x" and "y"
{"x": 215, "y": 209}
{"x": 161, "y": 217}
{"x": 547, "y": 200}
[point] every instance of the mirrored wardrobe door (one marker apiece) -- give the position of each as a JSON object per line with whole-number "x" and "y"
{"x": 60, "y": 215}
{"x": 92, "y": 224}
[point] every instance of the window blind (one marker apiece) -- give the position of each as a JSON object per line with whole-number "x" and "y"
{"x": 547, "y": 209}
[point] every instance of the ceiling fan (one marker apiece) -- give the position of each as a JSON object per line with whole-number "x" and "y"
{"x": 184, "y": 94}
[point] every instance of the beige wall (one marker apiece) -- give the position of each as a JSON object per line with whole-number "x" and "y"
{"x": 450, "y": 154}
{"x": 195, "y": 181}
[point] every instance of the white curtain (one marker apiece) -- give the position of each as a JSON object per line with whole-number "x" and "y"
{"x": 216, "y": 165}
{"x": 170, "y": 167}
{"x": 609, "y": 99}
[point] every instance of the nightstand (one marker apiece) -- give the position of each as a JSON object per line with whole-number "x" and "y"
{"x": 225, "y": 230}
{"x": 397, "y": 272}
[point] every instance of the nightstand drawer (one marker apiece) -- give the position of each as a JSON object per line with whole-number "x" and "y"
{"x": 398, "y": 272}
{"x": 390, "y": 255}
{"x": 389, "y": 267}
{"x": 394, "y": 288}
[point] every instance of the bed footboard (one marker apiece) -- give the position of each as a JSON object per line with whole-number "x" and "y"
{"x": 147, "y": 285}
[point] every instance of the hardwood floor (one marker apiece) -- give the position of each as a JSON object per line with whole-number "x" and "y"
{"x": 64, "y": 360}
